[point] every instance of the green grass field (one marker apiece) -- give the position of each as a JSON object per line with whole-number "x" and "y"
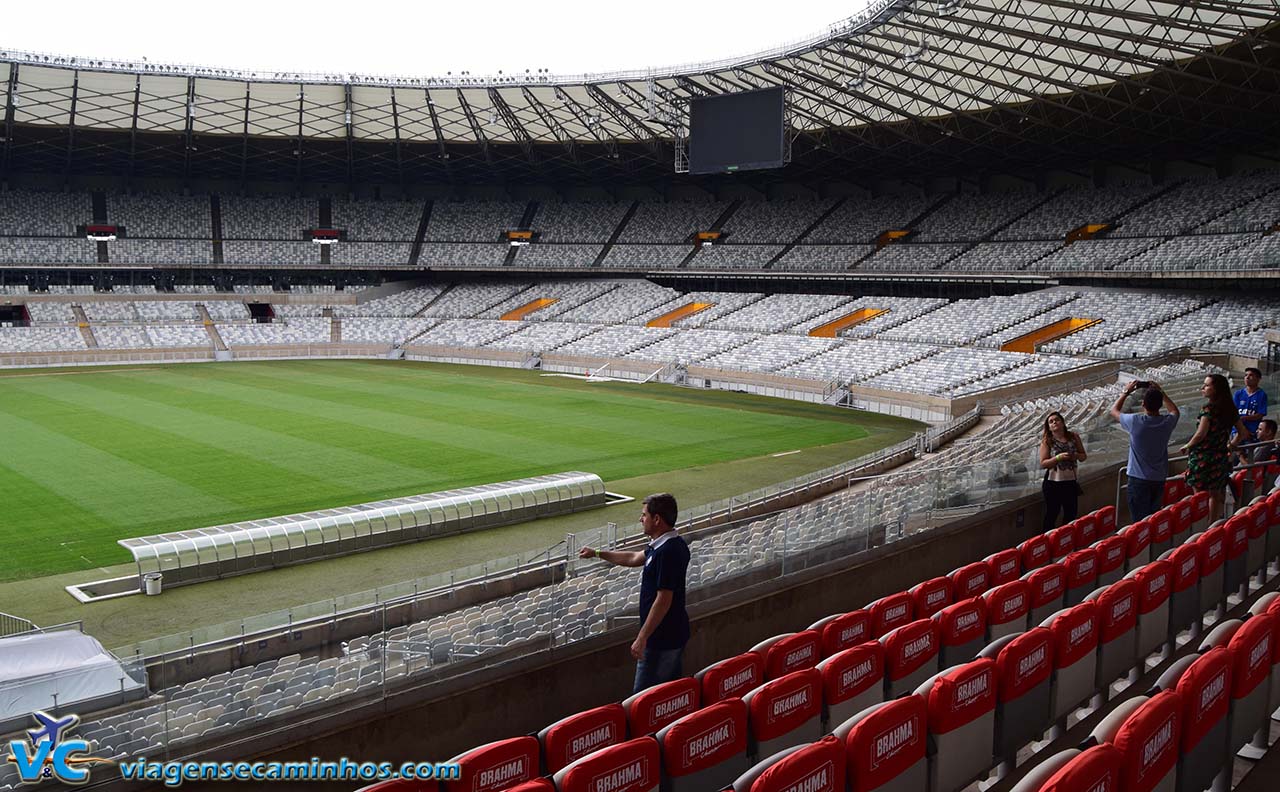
{"x": 93, "y": 456}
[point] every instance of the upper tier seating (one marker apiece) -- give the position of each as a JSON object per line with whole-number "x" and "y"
{"x": 279, "y": 217}
{"x": 1002, "y": 256}
{"x": 161, "y": 216}
{"x": 862, "y": 219}
{"x": 371, "y": 254}
{"x": 752, "y": 257}
{"x": 1071, "y": 208}
{"x": 972, "y": 217}
{"x": 1197, "y": 202}
{"x": 160, "y": 251}
{"x": 639, "y": 256}
{"x": 69, "y": 250}
{"x": 578, "y": 222}
{"x": 463, "y": 254}
{"x": 773, "y": 222}
{"x": 543, "y": 255}
{"x": 472, "y": 221}
{"x": 912, "y": 258}
{"x": 823, "y": 258}
{"x": 377, "y": 221}
{"x": 32, "y": 214}
{"x": 670, "y": 223}
{"x": 277, "y": 253}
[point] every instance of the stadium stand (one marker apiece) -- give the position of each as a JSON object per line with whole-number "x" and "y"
{"x": 154, "y": 216}
{"x": 563, "y": 221}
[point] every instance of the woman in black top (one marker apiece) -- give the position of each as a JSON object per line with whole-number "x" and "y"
{"x": 1061, "y": 450}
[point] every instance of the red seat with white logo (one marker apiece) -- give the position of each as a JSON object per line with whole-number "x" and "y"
{"x": 784, "y": 712}
{"x": 1203, "y": 683}
{"x": 1035, "y": 552}
{"x": 1062, "y": 541}
{"x": 403, "y": 785}
{"x": 1084, "y": 530}
{"x": 1005, "y": 566}
{"x": 1007, "y": 609}
{"x": 1201, "y": 504}
{"x": 970, "y": 580}
{"x": 1273, "y": 525}
{"x": 910, "y": 656}
{"x": 1075, "y": 667}
{"x": 1175, "y": 490}
{"x": 1258, "y": 520}
{"x": 569, "y": 739}
{"x": 1024, "y": 674}
{"x": 1184, "y": 594}
{"x": 1212, "y": 550}
{"x": 497, "y": 765}
{"x": 843, "y": 630}
{"x": 1155, "y": 583}
{"x": 706, "y": 749}
{"x": 1106, "y": 519}
{"x": 1270, "y": 604}
{"x": 1095, "y": 769}
{"x": 1251, "y": 645}
{"x": 886, "y": 747}
{"x": 1147, "y": 738}
{"x": 1235, "y": 571}
{"x": 651, "y": 709}
{"x": 962, "y": 720}
{"x": 536, "y": 785}
{"x": 731, "y": 678}
{"x": 1117, "y": 631}
{"x": 962, "y": 631}
{"x": 789, "y": 652}
{"x": 1182, "y": 515}
{"x": 816, "y": 767}
{"x": 1082, "y": 574}
{"x": 930, "y": 596}
{"x": 1161, "y": 532}
{"x": 632, "y": 766}
{"x": 1137, "y": 543}
{"x": 889, "y": 613}
{"x": 1111, "y": 552}
{"x": 1048, "y": 586}
{"x": 852, "y": 680}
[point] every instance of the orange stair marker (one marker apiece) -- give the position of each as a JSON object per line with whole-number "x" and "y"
{"x": 680, "y": 313}
{"x": 525, "y": 310}
{"x": 1060, "y": 329}
{"x": 832, "y": 329}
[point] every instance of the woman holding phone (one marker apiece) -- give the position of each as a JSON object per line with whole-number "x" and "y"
{"x": 1061, "y": 451}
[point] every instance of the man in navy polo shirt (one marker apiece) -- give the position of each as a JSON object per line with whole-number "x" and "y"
{"x": 1251, "y": 401}
{"x": 664, "y": 622}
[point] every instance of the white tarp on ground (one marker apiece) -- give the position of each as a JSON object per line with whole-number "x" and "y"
{"x": 68, "y": 663}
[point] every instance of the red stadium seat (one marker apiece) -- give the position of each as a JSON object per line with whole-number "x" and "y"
{"x": 1161, "y": 532}
{"x": 1155, "y": 583}
{"x": 536, "y": 785}
{"x": 1084, "y": 530}
{"x": 962, "y": 720}
{"x": 1061, "y": 542}
{"x": 886, "y": 747}
{"x": 1112, "y": 552}
{"x": 784, "y": 712}
{"x": 1203, "y": 683}
{"x": 889, "y": 613}
{"x": 1235, "y": 571}
{"x": 1182, "y": 515}
{"x": 1258, "y": 520}
{"x": 1035, "y": 552}
{"x": 1251, "y": 646}
{"x": 1184, "y": 594}
{"x": 1007, "y": 609}
{"x": 930, "y": 596}
{"x": 843, "y": 630}
{"x": 910, "y": 656}
{"x": 962, "y": 631}
{"x": 1273, "y": 526}
{"x": 789, "y": 652}
{"x": 1106, "y": 520}
{"x": 1075, "y": 668}
{"x": 1175, "y": 490}
{"x": 816, "y": 767}
{"x": 1137, "y": 544}
{"x": 1048, "y": 586}
{"x": 1024, "y": 675}
{"x": 1082, "y": 574}
{"x": 1212, "y": 550}
{"x": 1270, "y": 604}
{"x": 852, "y": 680}
{"x": 1095, "y": 769}
{"x": 1005, "y": 566}
{"x": 731, "y": 678}
{"x": 569, "y": 739}
{"x": 651, "y": 709}
{"x": 1147, "y": 738}
{"x": 632, "y": 766}
{"x": 970, "y": 580}
{"x": 498, "y": 765}
{"x": 1200, "y": 505}
{"x": 706, "y": 749}
{"x": 1117, "y": 631}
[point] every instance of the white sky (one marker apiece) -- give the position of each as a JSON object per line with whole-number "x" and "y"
{"x": 424, "y": 39}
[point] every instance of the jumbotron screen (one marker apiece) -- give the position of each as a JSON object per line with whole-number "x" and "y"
{"x": 737, "y": 132}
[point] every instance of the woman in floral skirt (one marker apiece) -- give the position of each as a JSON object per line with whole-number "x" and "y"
{"x": 1209, "y": 449}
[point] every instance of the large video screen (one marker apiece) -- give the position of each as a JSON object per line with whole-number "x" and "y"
{"x": 737, "y": 132}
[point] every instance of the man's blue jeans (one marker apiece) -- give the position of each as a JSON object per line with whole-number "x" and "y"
{"x": 657, "y": 666}
{"x": 1144, "y": 498}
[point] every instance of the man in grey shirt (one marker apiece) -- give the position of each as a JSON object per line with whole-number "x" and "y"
{"x": 1149, "y": 433}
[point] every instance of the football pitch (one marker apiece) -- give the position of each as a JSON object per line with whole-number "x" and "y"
{"x": 96, "y": 455}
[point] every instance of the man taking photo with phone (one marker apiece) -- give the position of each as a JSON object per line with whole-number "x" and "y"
{"x": 1149, "y": 433}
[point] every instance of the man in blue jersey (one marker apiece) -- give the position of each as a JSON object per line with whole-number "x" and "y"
{"x": 664, "y": 622}
{"x": 1251, "y": 401}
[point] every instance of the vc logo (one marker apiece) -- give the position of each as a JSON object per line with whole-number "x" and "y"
{"x": 46, "y": 755}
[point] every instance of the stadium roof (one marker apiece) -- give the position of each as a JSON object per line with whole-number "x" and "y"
{"x": 904, "y": 88}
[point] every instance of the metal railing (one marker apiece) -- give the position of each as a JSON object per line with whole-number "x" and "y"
{"x": 15, "y": 625}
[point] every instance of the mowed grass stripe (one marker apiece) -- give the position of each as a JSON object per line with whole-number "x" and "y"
{"x": 128, "y": 452}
